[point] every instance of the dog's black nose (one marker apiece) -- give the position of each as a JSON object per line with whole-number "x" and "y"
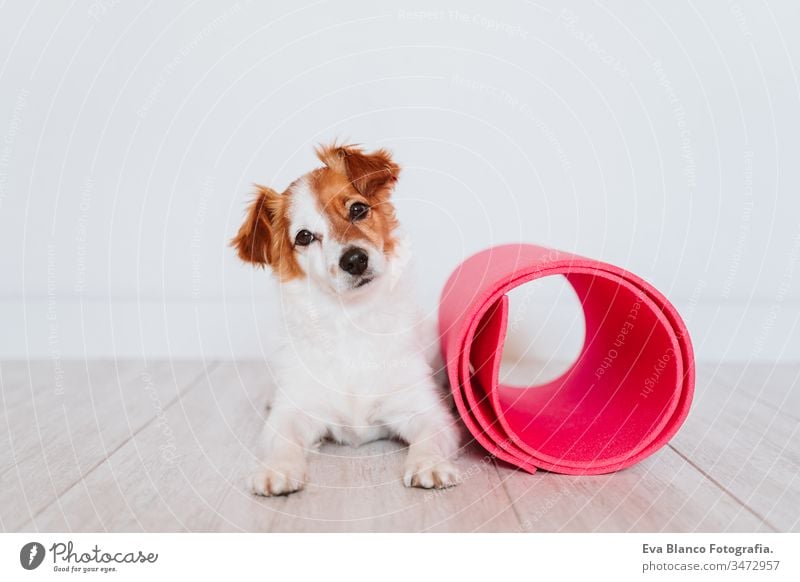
{"x": 354, "y": 261}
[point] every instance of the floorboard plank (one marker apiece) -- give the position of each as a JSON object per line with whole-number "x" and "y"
{"x": 662, "y": 493}
{"x": 777, "y": 385}
{"x": 749, "y": 448}
{"x": 52, "y": 437}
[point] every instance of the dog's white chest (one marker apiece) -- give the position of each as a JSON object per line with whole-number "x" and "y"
{"x": 357, "y": 420}
{"x": 355, "y": 368}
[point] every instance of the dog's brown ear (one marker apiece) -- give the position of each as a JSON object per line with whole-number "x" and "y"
{"x": 253, "y": 243}
{"x": 372, "y": 174}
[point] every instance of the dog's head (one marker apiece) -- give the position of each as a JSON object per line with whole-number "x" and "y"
{"x": 334, "y": 225}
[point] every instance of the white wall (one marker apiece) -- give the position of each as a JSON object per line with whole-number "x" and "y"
{"x": 663, "y": 137}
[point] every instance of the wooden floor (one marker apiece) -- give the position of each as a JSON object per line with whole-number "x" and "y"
{"x": 166, "y": 446}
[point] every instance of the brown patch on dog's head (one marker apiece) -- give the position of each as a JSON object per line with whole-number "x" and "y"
{"x": 263, "y": 239}
{"x": 373, "y": 175}
{"x": 353, "y": 176}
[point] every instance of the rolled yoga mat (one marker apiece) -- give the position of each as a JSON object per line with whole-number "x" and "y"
{"x": 625, "y": 396}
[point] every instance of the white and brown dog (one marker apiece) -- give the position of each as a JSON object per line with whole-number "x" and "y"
{"x": 356, "y": 363}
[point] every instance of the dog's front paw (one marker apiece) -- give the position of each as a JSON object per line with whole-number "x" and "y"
{"x": 431, "y": 475}
{"x": 280, "y": 479}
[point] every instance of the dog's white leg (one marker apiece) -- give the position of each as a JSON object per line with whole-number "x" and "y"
{"x": 285, "y": 440}
{"x": 433, "y": 439}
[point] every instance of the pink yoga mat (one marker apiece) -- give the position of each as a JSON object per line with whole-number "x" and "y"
{"x": 625, "y": 396}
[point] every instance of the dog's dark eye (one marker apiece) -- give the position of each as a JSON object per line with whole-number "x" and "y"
{"x": 358, "y": 211}
{"x": 304, "y": 238}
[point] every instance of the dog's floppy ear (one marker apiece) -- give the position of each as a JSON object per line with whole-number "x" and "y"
{"x": 254, "y": 240}
{"x": 372, "y": 174}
